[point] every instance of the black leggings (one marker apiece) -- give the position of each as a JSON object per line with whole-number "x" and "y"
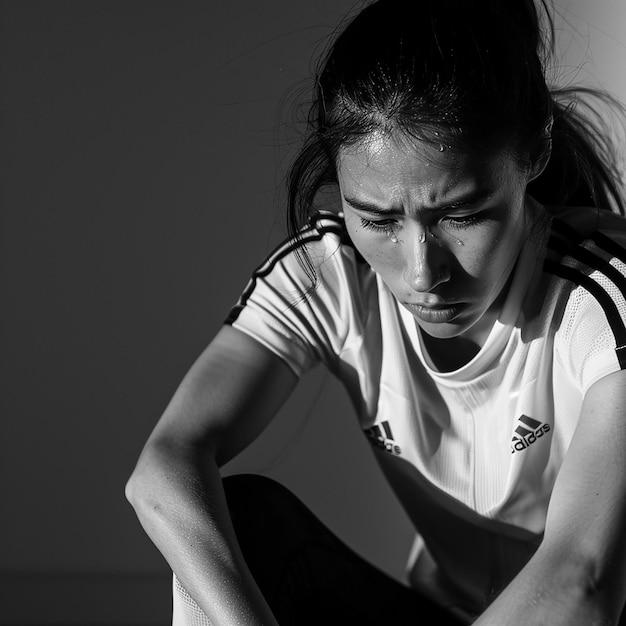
{"x": 307, "y": 575}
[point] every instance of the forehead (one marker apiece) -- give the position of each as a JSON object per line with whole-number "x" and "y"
{"x": 402, "y": 170}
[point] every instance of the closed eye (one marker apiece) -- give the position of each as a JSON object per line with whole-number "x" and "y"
{"x": 379, "y": 226}
{"x": 462, "y": 222}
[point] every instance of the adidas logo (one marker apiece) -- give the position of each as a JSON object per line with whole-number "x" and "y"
{"x": 380, "y": 435}
{"x": 527, "y": 433}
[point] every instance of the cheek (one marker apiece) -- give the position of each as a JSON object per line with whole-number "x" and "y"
{"x": 491, "y": 257}
{"x": 375, "y": 248}
{"x": 376, "y": 252}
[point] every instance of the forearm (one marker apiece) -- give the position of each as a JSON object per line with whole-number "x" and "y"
{"x": 180, "y": 502}
{"x": 550, "y": 590}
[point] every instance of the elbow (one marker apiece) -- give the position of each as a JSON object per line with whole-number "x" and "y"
{"x": 131, "y": 490}
{"x": 148, "y": 497}
{"x": 136, "y": 491}
{"x": 164, "y": 478}
{"x": 143, "y": 487}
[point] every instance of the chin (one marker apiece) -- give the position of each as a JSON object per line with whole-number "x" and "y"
{"x": 443, "y": 331}
{"x": 466, "y": 326}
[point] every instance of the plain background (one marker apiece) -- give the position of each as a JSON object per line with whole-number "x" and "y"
{"x": 142, "y": 146}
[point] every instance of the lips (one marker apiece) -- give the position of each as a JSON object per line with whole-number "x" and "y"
{"x": 434, "y": 313}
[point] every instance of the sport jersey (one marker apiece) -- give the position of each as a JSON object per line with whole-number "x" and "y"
{"x": 472, "y": 454}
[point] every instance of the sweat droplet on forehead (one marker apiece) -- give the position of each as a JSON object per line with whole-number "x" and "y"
{"x": 414, "y": 178}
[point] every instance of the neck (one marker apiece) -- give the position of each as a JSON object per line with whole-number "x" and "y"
{"x": 451, "y": 354}
{"x": 448, "y": 355}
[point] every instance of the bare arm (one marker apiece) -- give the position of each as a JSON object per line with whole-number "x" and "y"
{"x": 577, "y": 577}
{"x": 230, "y": 394}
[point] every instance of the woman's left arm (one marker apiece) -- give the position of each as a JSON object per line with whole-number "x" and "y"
{"x": 578, "y": 574}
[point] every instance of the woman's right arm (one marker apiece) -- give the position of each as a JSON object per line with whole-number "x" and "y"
{"x": 228, "y": 397}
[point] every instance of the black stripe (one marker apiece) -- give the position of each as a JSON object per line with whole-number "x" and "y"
{"x": 387, "y": 428}
{"x": 563, "y": 228}
{"x": 600, "y": 239}
{"x": 590, "y": 259}
{"x": 604, "y": 300}
{"x": 529, "y": 421}
{"x": 523, "y": 432}
{"x": 317, "y": 231}
{"x": 574, "y": 238}
{"x": 573, "y": 248}
{"x": 610, "y": 246}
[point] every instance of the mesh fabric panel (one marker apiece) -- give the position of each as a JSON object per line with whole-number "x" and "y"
{"x": 185, "y": 610}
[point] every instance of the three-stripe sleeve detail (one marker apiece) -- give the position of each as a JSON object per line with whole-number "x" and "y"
{"x": 320, "y": 225}
{"x": 565, "y": 241}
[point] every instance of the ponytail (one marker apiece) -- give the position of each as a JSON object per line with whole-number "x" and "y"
{"x": 584, "y": 168}
{"x": 467, "y": 74}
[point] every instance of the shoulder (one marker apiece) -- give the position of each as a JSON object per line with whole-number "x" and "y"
{"x": 308, "y": 295}
{"x": 319, "y": 260}
{"x": 320, "y": 244}
{"x": 587, "y": 250}
{"x": 586, "y": 260}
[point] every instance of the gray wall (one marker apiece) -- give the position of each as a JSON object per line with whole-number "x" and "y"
{"x": 140, "y": 182}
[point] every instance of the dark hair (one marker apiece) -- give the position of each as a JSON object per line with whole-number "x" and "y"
{"x": 464, "y": 73}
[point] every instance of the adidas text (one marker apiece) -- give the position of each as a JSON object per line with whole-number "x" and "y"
{"x": 521, "y": 443}
{"x": 387, "y": 445}
{"x": 380, "y": 435}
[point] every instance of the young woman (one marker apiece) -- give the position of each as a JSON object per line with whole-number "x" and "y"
{"x": 471, "y": 297}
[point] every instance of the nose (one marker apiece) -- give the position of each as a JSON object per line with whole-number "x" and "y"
{"x": 426, "y": 263}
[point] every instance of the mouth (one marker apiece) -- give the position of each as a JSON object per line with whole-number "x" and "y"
{"x": 434, "y": 314}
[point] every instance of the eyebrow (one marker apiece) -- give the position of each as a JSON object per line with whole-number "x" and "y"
{"x": 468, "y": 200}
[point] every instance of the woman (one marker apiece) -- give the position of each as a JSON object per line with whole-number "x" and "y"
{"x": 476, "y": 315}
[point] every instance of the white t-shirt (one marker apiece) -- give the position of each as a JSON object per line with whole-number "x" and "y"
{"x": 473, "y": 453}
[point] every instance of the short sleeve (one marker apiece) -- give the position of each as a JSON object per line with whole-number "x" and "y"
{"x": 591, "y": 342}
{"x": 302, "y": 322}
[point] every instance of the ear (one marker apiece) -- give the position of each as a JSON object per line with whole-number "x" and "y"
{"x": 541, "y": 156}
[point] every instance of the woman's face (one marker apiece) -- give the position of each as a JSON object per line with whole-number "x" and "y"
{"x": 443, "y": 229}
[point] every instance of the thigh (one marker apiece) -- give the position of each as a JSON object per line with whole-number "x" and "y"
{"x": 306, "y": 573}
